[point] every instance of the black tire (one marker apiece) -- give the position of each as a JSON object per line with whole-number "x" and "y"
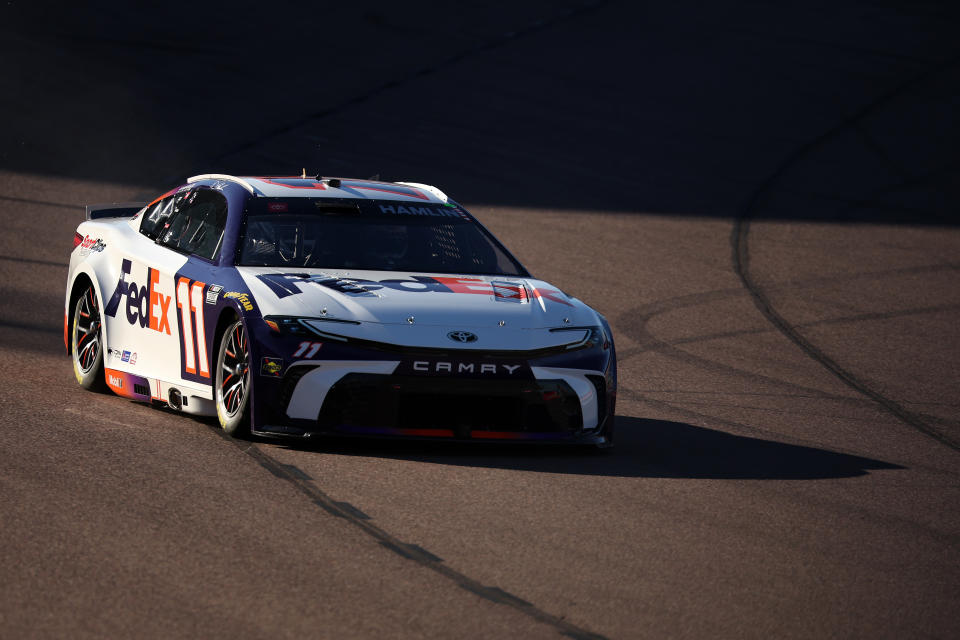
{"x": 232, "y": 393}
{"x": 86, "y": 342}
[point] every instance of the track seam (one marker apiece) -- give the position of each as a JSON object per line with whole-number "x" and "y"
{"x": 304, "y": 484}
{"x": 739, "y": 240}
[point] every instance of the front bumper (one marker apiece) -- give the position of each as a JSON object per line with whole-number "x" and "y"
{"x": 376, "y": 398}
{"x": 358, "y": 389}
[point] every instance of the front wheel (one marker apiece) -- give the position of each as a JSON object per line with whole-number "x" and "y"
{"x": 233, "y": 380}
{"x": 86, "y": 344}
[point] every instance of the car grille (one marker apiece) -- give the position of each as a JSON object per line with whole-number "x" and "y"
{"x": 451, "y": 407}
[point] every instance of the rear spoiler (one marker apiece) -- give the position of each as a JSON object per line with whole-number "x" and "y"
{"x": 113, "y": 210}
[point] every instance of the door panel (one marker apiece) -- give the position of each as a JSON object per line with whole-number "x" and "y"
{"x": 155, "y": 314}
{"x": 140, "y": 310}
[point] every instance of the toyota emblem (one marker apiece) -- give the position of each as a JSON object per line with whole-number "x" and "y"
{"x": 462, "y": 336}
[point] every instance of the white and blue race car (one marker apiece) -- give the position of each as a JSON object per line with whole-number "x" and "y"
{"x": 302, "y": 307}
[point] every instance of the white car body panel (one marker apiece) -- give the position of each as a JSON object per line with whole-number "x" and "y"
{"x": 406, "y": 312}
{"x": 153, "y": 345}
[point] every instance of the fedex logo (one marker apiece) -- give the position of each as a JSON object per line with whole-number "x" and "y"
{"x": 290, "y": 284}
{"x": 145, "y": 304}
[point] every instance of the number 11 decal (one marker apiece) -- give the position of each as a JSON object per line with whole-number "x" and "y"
{"x": 190, "y": 303}
{"x": 307, "y": 349}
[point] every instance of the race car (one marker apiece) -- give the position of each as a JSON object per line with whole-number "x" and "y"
{"x": 309, "y": 306}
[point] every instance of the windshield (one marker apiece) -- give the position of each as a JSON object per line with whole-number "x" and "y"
{"x": 374, "y": 235}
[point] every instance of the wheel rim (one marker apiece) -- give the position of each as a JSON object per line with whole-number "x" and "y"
{"x": 234, "y": 371}
{"x": 86, "y": 338}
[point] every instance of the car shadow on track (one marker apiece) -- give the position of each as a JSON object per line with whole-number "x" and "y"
{"x": 644, "y": 448}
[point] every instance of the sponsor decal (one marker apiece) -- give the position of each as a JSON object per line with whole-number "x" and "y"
{"x": 307, "y": 350}
{"x": 278, "y": 207}
{"x": 271, "y": 367}
{"x": 122, "y": 355}
{"x": 290, "y": 284}
{"x": 213, "y": 293}
{"x": 401, "y": 210}
{"x": 192, "y": 329}
{"x": 128, "y": 385}
{"x": 464, "y": 368}
{"x": 510, "y": 292}
{"x": 145, "y": 306}
{"x": 242, "y": 298}
{"x": 91, "y": 245}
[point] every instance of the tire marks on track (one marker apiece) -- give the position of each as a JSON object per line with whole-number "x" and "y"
{"x": 636, "y": 320}
{"x": 635, "y": 323}
{"x": 842, "y": 319}
{"x": 305, "y": 484}
{"x": 740, "y": 257}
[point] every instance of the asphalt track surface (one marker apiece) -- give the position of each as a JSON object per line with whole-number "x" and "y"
{"x": 762, "y": 201}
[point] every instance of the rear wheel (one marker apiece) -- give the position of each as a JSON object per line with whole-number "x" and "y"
{"x": 86, "y": 344}
{"x": 233, "y": 380}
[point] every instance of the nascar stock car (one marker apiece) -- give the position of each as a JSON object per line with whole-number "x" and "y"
{"x": 308, "y": 306}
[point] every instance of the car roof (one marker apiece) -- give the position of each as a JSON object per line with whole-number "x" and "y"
{"x": 323, "y": 187}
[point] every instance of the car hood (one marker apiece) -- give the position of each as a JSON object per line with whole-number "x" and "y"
{"x": 421, "y": 309}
